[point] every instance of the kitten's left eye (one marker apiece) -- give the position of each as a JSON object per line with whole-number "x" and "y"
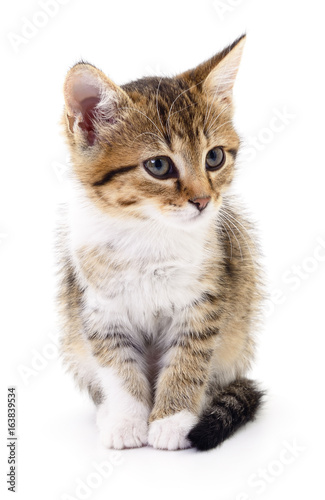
{"x": 160, "y": 167}
{"x": 215, "y": 159}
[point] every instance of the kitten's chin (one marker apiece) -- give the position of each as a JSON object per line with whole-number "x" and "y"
{"x": 188, "y": 220}
{"x": 188, "y": 223}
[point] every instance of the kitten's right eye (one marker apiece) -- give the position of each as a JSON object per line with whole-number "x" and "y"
{"x": 160, "y": 167}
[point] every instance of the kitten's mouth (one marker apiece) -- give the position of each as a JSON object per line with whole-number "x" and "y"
{"x": 189, "y": 216}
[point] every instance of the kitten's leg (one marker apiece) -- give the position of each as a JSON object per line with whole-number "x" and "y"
{"x": 181, "y": 388}
{"x": 122, "y": 417}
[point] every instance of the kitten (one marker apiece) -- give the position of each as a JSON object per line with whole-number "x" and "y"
{"x": 160, "y": 288}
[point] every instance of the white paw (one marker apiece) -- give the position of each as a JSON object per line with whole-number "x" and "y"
{"x": 170, "y": 433}
{"x": 122, "y": 432}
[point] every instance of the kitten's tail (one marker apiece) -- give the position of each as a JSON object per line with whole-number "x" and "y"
{"x": 230, "y": 408}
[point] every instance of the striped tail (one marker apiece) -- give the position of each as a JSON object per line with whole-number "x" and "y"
{"x": 232, "y": 407}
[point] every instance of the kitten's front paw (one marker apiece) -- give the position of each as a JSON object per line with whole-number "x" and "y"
{"x": 122, "y": 433}
{"x": 170, "y": 433}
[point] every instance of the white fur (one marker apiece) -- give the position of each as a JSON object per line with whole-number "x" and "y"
{"x": 160, "y": 272}
{"x": 170, "y": 433}
{"x": 160, "y": 266}
{"x": 121, "y": 419}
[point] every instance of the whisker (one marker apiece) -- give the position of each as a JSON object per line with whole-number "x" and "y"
{"x": 228, "y": 238}
{"x": 175, "y": 112}
{"x": 157, "y": 103}
{"x": 207, "y": 109}
{"x": 224, "y": 123}
{"x": 146, "y": 133}
{"x": 179, "y": 95}
{"x": 229, "y": 227}
{"x": 226, "y": 211}
{"x": 211, "y": 124}
{"x": 225, "y": 214}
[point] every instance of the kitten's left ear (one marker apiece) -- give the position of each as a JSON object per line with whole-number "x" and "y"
{"x": 221, "y": 79}
{"x": 217, "y": 75}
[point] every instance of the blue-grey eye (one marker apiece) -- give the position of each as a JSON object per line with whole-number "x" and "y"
{"x": 160, "y": 167}
{"x": 215, "y": 159}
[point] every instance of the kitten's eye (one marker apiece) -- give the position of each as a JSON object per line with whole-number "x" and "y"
{"x": 215, "y": 159}
{"x": 160, "y": 167}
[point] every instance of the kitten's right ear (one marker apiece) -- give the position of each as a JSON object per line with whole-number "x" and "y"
{"x": 92, "y": 101}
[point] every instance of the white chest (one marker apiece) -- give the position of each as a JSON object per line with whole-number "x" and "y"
{"x": 143, "y": 295}
{"x": 164, "y": 286}
{"x": 158, "y": 270}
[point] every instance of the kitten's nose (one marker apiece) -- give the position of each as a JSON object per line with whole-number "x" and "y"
{"x": 201, "y": 203}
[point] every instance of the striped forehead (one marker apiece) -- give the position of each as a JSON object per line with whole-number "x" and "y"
{"x": 174, "y": 107}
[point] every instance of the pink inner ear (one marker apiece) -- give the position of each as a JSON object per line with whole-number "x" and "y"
{"x": 84, "y": 99}
{"x": 83, "y": 90}
{"x": 87, "y": 108}
{"x": 84, "y": 93}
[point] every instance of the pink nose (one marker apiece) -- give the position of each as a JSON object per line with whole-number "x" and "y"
{"x": 201, "y": 203}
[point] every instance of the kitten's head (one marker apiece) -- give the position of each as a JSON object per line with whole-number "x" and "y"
{"x": 158, "y": 147}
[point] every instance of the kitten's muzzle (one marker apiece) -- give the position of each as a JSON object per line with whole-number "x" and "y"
{"x": 201, "y": 203}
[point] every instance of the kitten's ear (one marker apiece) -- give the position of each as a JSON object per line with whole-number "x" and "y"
{"x": 217, "y": 75}
{"x": 91, "y": 101}
{"x": 221, "y": 79}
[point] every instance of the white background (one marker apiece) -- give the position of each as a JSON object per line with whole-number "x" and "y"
{"x": 282, "y": 183}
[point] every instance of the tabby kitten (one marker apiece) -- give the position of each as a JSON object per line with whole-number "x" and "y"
{"x": 160, "y": 286}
